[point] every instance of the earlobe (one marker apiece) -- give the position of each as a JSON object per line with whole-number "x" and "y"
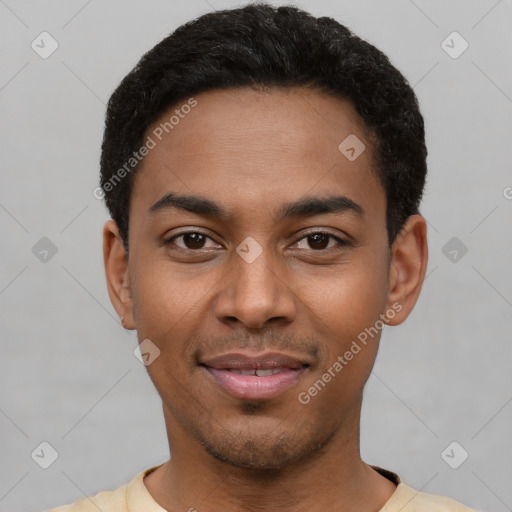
{"x": 407, "y": 268}
{"x": 117, "y": 273}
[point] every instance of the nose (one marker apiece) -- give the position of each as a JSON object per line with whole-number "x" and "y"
{"x": 255, "y": 294}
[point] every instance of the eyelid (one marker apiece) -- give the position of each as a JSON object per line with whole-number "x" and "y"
{"x": 325, "y": 231}
{"x": 207, "y": 234}
{"x": 341, "y": 242}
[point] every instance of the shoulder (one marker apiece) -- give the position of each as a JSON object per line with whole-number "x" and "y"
{"x": 106, "y": 501}
{"x": 406, "y": 499}
{"x": 131, "y": 496}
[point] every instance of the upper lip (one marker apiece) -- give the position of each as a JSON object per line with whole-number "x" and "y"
{"x": 266, "y": 361}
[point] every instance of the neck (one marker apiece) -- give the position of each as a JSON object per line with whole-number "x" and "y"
{"x": 335, "y": 478}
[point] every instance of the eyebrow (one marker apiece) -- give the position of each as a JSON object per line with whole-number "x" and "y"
{"x": 305, "y": 207}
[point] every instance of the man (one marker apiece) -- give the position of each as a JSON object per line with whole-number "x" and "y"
{"x": 263, "y": 169}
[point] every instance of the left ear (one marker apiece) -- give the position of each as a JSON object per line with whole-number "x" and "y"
{"x": 407, "y": 269}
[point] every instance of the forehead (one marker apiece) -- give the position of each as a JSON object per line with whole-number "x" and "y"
{"x": 247, "y": 147}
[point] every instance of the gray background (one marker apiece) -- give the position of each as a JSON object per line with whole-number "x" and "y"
{"x": 69, "y": 376}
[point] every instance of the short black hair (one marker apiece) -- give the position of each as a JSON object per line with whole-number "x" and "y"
{"x": 262, "y": 46}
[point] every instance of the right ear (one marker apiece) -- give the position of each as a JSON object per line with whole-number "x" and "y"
{"x": 115, "y": 260}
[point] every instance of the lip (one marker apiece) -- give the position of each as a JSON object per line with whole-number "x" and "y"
{"x": 252, "y": 387}
{"x": 267, "y": 360}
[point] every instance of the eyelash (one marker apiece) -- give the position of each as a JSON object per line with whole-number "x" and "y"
{"x": 341, "y": 242}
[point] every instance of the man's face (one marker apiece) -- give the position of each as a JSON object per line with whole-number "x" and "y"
{"x": 256, "y": 282}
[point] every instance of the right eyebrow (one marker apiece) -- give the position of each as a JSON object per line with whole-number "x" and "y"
{"x": 191, "y": 203}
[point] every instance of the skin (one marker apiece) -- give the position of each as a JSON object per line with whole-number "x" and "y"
{"x": 251, "y": 152}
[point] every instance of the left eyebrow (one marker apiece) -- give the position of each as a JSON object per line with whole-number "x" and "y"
{"x": 310, "y": 206}
{"x": 304, "y": 207}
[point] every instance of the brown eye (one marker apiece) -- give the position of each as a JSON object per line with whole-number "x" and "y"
{"x": 194, "y": 240}
{"x": 191, "y": 240}
{"x": 320, "y": 241}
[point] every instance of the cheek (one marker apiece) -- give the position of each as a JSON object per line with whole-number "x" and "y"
{"x": 166, "y": 311}
{"x": 166, "y": 297}
{"x": 347, "y": 316}
{"x": 346, "y": 310}
{"x": 350, "y": 299}
{"x": 170, "y": 308}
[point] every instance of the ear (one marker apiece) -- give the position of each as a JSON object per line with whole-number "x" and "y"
{"x": 407, "y": 268}
{"x": 117, "y": 273}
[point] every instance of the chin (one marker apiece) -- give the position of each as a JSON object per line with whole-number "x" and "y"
{"x": 271, "y": 450}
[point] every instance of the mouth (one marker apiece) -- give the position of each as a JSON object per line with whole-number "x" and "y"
{"x": 257, "y": 377}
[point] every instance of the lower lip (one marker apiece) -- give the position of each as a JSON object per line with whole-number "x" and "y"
{"x": 252, "y": 387}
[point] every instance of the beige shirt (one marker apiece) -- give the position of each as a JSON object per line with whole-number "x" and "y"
{"x": 134, "y": 497}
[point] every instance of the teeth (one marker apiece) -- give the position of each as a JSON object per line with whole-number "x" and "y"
{"x": 241, "y": 372}
{"x": 259, "y": 373}
{"x": 265, "y": 373}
